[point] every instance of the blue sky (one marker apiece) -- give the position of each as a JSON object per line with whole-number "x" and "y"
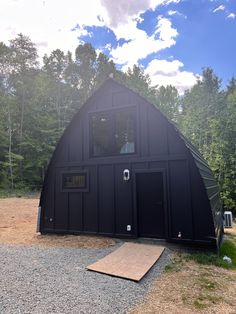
{"x": 172, "y": 40}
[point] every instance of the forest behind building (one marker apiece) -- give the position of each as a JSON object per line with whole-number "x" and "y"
{"x": 38, "y": 98}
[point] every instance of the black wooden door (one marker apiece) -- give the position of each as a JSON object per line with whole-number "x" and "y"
{"x": 150, "y": 204}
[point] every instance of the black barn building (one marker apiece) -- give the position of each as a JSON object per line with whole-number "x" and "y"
{"x": 122, "y": 169}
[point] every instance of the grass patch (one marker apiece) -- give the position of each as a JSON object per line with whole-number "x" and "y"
{"x": 204, "y": 301}
{"x": 207, "y": 259}
{"x": 171, "y": 268}
{"x": 207, "y": 296}
{"x": 228, "y": 248}
{"x": 198, "y": 304}
{"x": 18, "y": 193}
{"x": 175, "y": 264}
{"x": 206, "y": 283}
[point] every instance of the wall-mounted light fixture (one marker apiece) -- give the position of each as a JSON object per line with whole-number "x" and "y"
{"x": 126, "y": 175}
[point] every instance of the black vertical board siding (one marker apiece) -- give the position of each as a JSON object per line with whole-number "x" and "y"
{"x": 106, "y": 199}
{"x": 176, "y": 144}
{"x": 86, "y": 135}
{"x": 75, "y": 211}
{"x": 157, "y": 165}
{"x": 157, "y": 135}
{"x": 124, "y": 202}
{"x": 47, "y": 205}
{"x": 90, "y": 215}
{"x": 104, "y": 102}
{"x": 121, "y": 99}
{"x": 62, "y": 150}
{"x": 181, "y": 218}
{"x": 75, "y": 147}
{"x": 61, "y": 204}
{"x": 142, "y": 130}
{"x": 75, "y": 204}
{"x": 137, "y": 166}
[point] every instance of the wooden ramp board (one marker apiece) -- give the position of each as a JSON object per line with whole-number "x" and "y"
{"x": 131, "y": 261}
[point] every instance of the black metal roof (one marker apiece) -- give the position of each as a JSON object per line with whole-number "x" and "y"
{"x": 209, "y": 181}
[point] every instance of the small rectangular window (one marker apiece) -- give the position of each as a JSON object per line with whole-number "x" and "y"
{"x": 74, "y": 181}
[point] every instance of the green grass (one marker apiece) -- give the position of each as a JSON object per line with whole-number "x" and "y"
{"x": 228, "y": 248}
{"x": 175, "y": 264}
{"x": 206, "y": 300}
{"x": 207, "y": 291}
{"x": 18, "y": 193}
{"x": 207, "y": 283}
{"x": 198, "y": 304}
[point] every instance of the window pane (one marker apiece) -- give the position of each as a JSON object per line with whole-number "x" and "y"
{"x": 125, "y": 133}
{"x": 112, "y": 133}
{"x": 101, "y": 130}
{"x": 74, "y": 181}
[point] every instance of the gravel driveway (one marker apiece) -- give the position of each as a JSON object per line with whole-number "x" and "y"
{"x": 54, "y": 280}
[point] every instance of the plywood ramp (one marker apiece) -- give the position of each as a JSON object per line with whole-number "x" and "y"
{"x": 131, "y": 261}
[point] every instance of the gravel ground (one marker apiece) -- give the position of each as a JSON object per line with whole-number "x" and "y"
{"x": 54, "y": 280}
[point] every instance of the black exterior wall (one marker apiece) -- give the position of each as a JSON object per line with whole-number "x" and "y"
{"x": 189, "y": 205}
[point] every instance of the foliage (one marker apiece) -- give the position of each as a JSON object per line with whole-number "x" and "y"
{"x": 37, "y": 103}
{"x": 208, "y": 120}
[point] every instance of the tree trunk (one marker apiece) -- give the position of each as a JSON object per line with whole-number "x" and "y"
{"x": 21, "y": 132}
{"x": 10, "y": 148}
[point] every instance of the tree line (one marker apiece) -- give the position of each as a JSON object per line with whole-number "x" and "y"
{"x": 38, "y": 100}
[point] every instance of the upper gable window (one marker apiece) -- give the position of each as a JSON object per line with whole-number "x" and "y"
{"x": 112, "y": 132}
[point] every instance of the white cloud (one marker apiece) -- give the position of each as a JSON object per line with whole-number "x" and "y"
{"x": 122, "y": 18}
{"x": 49, "y": 21}
{"x": 49, "y": 24}
{"x": 164, "y": 67}
{"x": 108, "y": 47}
{"x": 173, "y": 1}
{"x": 121, "y": 11}
{"x": 219, "y": 8}
{"x": 172, "y": 12}
{"x": 165, "y": 73}
{"x": 140, "y": 45}
{"x": 165, "y": 30}
{"x": 231, "y": 16}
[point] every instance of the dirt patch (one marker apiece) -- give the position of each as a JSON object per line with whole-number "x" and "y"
{"x": 231, "y": 231}
{"x": 18, "y": 219}
{"x": 193, "y": 289}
